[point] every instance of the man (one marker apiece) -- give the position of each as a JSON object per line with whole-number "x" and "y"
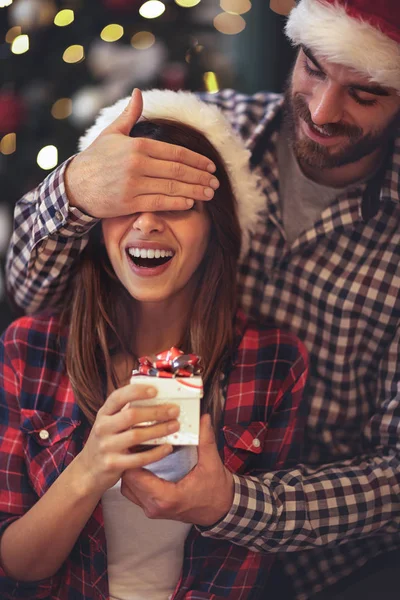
{"x": 324, "y": 261}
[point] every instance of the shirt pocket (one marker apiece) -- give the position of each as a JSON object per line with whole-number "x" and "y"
{"x": 244, "y": 446}
{"x": 47, "y": 440}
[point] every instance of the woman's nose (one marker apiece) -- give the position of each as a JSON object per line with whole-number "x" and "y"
{"x": 148, "y": 222}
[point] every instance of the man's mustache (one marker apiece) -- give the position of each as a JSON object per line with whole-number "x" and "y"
{"x": 301, "y": 110}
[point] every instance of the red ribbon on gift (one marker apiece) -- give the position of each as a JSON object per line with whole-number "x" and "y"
{"x": 169, "y": 364}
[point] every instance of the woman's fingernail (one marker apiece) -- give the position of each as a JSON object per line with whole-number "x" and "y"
{"x": 173, "y": 426}
{"x": 189, "y": 203}
{"x": 173, "y": 411}
{"x": 208, "y": 192}
{"x": 211, "y": 168}
{"x": 151, "y": 392}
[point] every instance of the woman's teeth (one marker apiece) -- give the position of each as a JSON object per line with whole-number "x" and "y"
{"x": 149, "y": 258}
{"x": 150, "y": 253}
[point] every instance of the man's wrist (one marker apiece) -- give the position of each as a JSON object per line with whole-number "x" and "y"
{"x": 73, "y": 182}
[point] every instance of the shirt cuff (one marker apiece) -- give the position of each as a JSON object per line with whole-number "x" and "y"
{"x": 249, "y": 515}
{"x": 54, "y": 213}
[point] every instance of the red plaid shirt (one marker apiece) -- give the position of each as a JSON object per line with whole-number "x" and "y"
{"x": 261, "y": 430}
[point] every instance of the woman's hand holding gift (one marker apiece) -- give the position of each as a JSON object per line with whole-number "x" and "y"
{"x": 110, "y": 448}
{"x": 203, "y": 497}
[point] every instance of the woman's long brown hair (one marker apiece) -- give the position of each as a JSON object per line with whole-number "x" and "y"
{"x": 99, "y": 309}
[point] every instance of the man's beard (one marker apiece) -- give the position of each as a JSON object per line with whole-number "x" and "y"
{"x": 316, "y": 155}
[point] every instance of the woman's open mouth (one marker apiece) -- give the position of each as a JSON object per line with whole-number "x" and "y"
{"x": 149, "y": 258}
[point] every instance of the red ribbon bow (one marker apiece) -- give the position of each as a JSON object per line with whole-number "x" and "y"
{"x": 169, "y": 364}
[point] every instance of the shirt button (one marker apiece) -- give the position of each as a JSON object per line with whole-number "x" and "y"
{"x": 58, "y": 216}
{"x": 79, "y": 229}
{"x": 44, "y": 434}
{"x": 256, "y": 443}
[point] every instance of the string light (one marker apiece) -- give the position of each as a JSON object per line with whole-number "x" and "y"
{"x": 12, "y": 34}
{"x": 143, "y": 40}
{"x": 4, "y": 3}
{"x": 152, "y": 9}
{"x": 112, "y": 33}
{"x": 74, "y": 54}
{"x": 20, "y": 44}
{"x": 211, "y": 82}
{"x": 229, "y": 24}
{"x": 8, "y": 144}
{"x": 64, "y": 17}
{"x": 235, "y": 7}
{"x": 62, "y": 108}
{"x": 47, "y": 158}
{"x": 187, "y": 3}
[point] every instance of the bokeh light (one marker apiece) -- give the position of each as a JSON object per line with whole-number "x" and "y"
{"x": 74, "y": 54}
{"x": 20, "y": 44}
{"x": 12, "y": 34}
{"x": 8, "y": 144}
{"x": 152, "y": 9}
{"x": 229, "y": 24}
{"x": 62, "y": 108}
{"x": 112, "y": 33}
{"x": 235, "y": 7}
{"x": 143, "y": 40}
{"x": 211, "y": 82}
{"x": 187, "y": 3}
{"x": 64, "y": 17}
{"x": 47, "y": 158}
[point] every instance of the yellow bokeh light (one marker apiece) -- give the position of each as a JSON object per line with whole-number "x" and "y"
{"x": 12, "y": 34}
{"x": 8, "y": 144}
{"x": 229, "y": 24}
{"x": 211, "y": 82}
{"x": 187, "y": 3}
{"x": 62, "y": 108}
{"x": 47, "y": 158}
{"x": 235, "y": 7}
{"x": 112, "y": 33}
{"x": 152, "y": 9}
{"x": 20, "y": 44}
{"x": 143, "y": 40}
{"x": 4, "y": 3}
{"x": 74, "y": 54}
{"x": 64, "y": 17}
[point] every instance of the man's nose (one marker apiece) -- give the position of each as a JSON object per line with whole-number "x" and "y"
{"x": 148, "y": 222}
{"x": 326, "y": 104}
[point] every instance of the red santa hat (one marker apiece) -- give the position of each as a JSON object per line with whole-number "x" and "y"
{"x": 361, "y": 34}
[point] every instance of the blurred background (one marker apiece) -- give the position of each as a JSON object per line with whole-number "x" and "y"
{"x": 61, "y": 61}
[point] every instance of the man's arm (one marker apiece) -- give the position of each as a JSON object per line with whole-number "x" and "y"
{"x": 303, "y": 508}
{"x": 48, "y": 237}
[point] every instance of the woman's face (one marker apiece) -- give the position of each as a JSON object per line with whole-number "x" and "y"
{"x": 156, "y": 255}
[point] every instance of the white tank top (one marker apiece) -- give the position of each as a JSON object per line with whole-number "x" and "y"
{"x": 145, "y": 555}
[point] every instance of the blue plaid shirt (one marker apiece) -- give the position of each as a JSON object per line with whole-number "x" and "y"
{"x": 337, "y": 287}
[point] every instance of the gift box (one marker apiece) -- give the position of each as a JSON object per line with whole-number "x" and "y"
{"x": 177, "y": 378}
{"x": 186, "y": 393}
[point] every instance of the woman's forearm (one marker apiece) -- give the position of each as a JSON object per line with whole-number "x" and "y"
{"x": 35, "y": 546}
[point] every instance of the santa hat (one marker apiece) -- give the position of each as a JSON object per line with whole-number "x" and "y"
{"x": 187, "y": 108}
{"x": 361, "y": 34}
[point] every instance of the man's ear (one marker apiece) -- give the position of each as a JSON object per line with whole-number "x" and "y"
{"x": 282, "y": 7}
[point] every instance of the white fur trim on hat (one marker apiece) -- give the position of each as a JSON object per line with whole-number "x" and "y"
{"x": 187, "y": 108}
{"x": 340, "y": 38}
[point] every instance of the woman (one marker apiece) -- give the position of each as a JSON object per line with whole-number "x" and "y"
{"x": 68, "y": 445}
